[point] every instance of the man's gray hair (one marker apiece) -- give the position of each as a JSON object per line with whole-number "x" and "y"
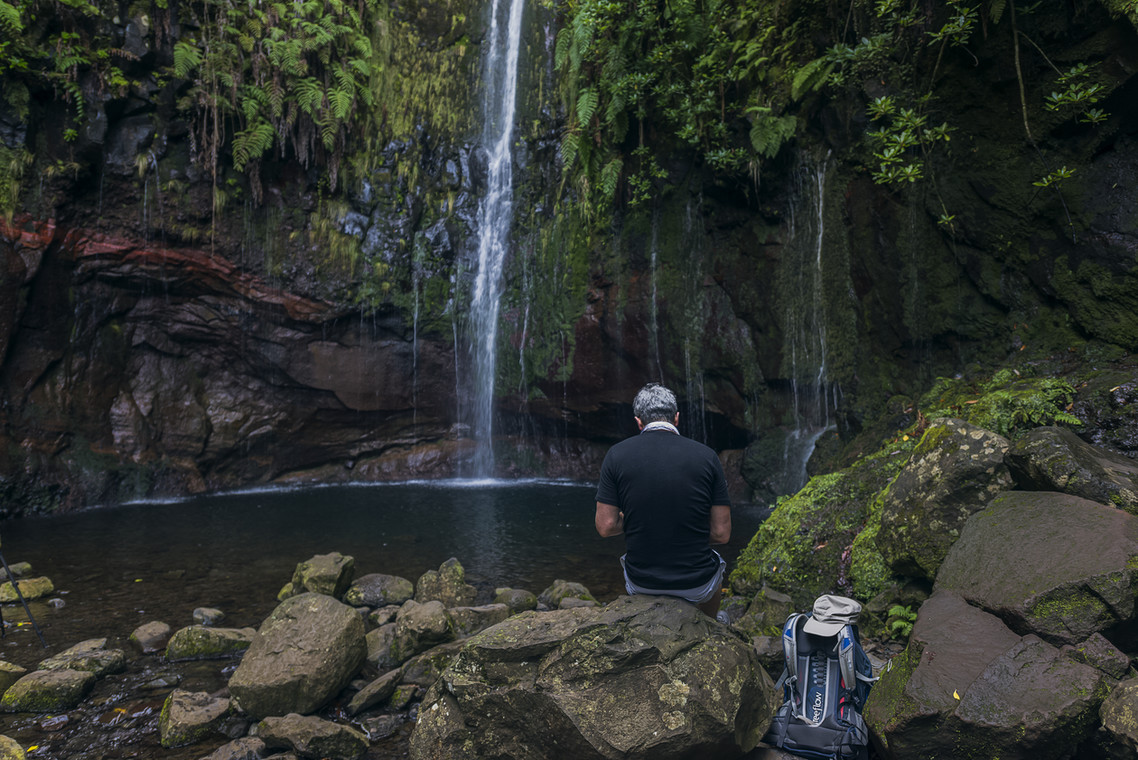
{"x": 654, "y": 403}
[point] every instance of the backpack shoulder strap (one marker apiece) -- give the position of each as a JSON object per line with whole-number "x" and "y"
{"x": 790, "y": 646}
{"x": 847, "y": 641}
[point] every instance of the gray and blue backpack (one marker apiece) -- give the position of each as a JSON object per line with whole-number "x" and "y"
{"x": 825, "y": 682}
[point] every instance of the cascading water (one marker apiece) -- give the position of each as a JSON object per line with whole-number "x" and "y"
{"x": 803, "y": 284}
{"x": 495, "y": 215}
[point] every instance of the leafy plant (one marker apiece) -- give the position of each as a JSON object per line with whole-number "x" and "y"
{"x": 900, "y": 621}
{"x": 1008, "y": 403}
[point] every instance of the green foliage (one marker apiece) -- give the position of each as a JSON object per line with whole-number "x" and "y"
{"x": 639, "y": 79}
{"x": 291, "y": 75}
{"x": 900, "y": 621}
{"x": 1007, "y": 403}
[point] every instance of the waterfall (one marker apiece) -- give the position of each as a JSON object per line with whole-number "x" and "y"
{"x": 806, "y": 319}
{"x": 495, "y": 214}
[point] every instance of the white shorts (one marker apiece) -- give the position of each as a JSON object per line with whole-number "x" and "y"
{"x": 697, "y": 595}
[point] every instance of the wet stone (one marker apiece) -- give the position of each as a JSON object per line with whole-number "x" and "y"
{"x": 91, "y": 656}
{"x": 48, "y": 691}
{"x": 208, "y": 616}
{"x": 150, "y": 637}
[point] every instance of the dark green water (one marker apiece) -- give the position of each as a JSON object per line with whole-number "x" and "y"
{"x": 119, "y": 567}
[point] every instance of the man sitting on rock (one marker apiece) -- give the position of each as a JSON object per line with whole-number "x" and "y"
{"x": 668, "y": 495}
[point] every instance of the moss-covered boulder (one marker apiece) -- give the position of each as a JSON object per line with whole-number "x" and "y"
{"x": 560, "y": 590}
{"x": 91, "y": 655}
{"x": 30, "y": 588}
{"x": 1119, "y": 715}
{"x": 329, "y": 574}
{"x": 310, "y": 736}
{"x": 643, "y": 677}
{"x": 199, "y": 642}
{"x": 378, "y": 590}
{"x": 1055, "y": 459}
{"x": 967, "y": 686}
{"x": 305, "y": 652}
{"x": 806, "y": 547}
{"x": 9, "y": 674}
{"x": 10, "y": 749}
{"x": 954, "y": 472}
{"x": 518, "y": 600}
{"x": 1048, "y": 563}
{"x": 46, "y": 691}
{"x": 447, "y": 585}
{"x": 187, "y": 717}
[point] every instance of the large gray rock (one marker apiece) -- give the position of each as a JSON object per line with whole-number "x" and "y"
{"x": 305, "y": 652}
{"x": 968, "y": 686}
{"x": 48, "y": 691}
{"x": 329, "y": 574}
{"x": 447, "y": 585}
{"x": 91, "y": 655}
{"x": 1048, "y": 563}
{"x": 1055, "y": 459}
{"x": 312, "y": 737}
{"x": 955, "y": 471}
{"x": 379, "y": 590}
{"x": 418, "y": 627}
{"x": 189, "y": 716}
{"x": 644, "y": 677}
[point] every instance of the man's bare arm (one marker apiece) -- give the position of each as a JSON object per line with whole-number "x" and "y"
{"x": 720, "y": 524}
{"x": 610, "y": 520}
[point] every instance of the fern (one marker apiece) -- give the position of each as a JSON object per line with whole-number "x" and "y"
{"x": 610, "y": 177}
{"x": 586, "y": 105}
{"x": 10, "y": 22}
{"x": 251, "y": 143}
{"x": 570, "y": 148}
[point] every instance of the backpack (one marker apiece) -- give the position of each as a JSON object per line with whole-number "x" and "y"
{"x": 825, "y": 682}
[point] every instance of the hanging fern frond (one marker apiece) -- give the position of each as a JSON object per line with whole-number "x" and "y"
{"x": 252, "y": 143}
{"x": 187, "y": 57}
{"x": 586, "y": 105}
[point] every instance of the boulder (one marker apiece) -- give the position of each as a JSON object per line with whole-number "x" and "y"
{"x": 30, "y": 588}
{"x": 45, "y": 691}
{"x": 643, "y": 677}
{"x": 426, "y": 668}
{"x": 197, "y": 642}
{"x": 305, "y": 652}
{"x": 1050, "y": 564}
{"x": 378, "y": 644}
{"x": 1055, "y": 459}
{"x": 471, "y": 620}
{"x": 379, "y": 590}
{"x": 447, "y": 585}
{"x": 969, "y": 686}
{"x": 1099, "y": 653}
{"x": 208, "y": 616}
{"x": 562, "y": 589}
{"x": 10, "y": 749}
{"x": 954, "y": 472}
{"x": 313, "y": 737}
{"x": 376, "y": 692}
{"x": 765, "y": 614}
{"x": 150, "y": 637}
{"x": 518, "y": 600}
{"x": 1119, "y": 714}
{"x": 189, "y": 716}
{"x": 91, "y": 656}
{"x": 329, "y": 574}
{"x": 245, "y": 748}
{"x": 9, "y": 674}
{"x": 418, "y": 627}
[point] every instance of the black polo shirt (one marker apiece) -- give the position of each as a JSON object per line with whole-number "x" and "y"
{"x": 666, "y": 485}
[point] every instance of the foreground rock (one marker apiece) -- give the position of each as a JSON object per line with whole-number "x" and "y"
{"x": 1048, "y": 563}
{"x": 305, "y": 652}
{"x": 1055, "y": 459}
{"x": 329, "y": 574}
{"x": 30, "y": 588}
{"x": 644, "y": 677}
{"x": 314, "y": 737}
{"x": 968, "y": 686}
{"x": 189, "y": 716}
{"x": 955, "y": 472}
{"x": 48, "y": 691}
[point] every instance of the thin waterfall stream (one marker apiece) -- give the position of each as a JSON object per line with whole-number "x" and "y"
{"x": 495, "y": 215}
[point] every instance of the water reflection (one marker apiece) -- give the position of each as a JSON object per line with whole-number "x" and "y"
{"x": 119, "y": 567}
